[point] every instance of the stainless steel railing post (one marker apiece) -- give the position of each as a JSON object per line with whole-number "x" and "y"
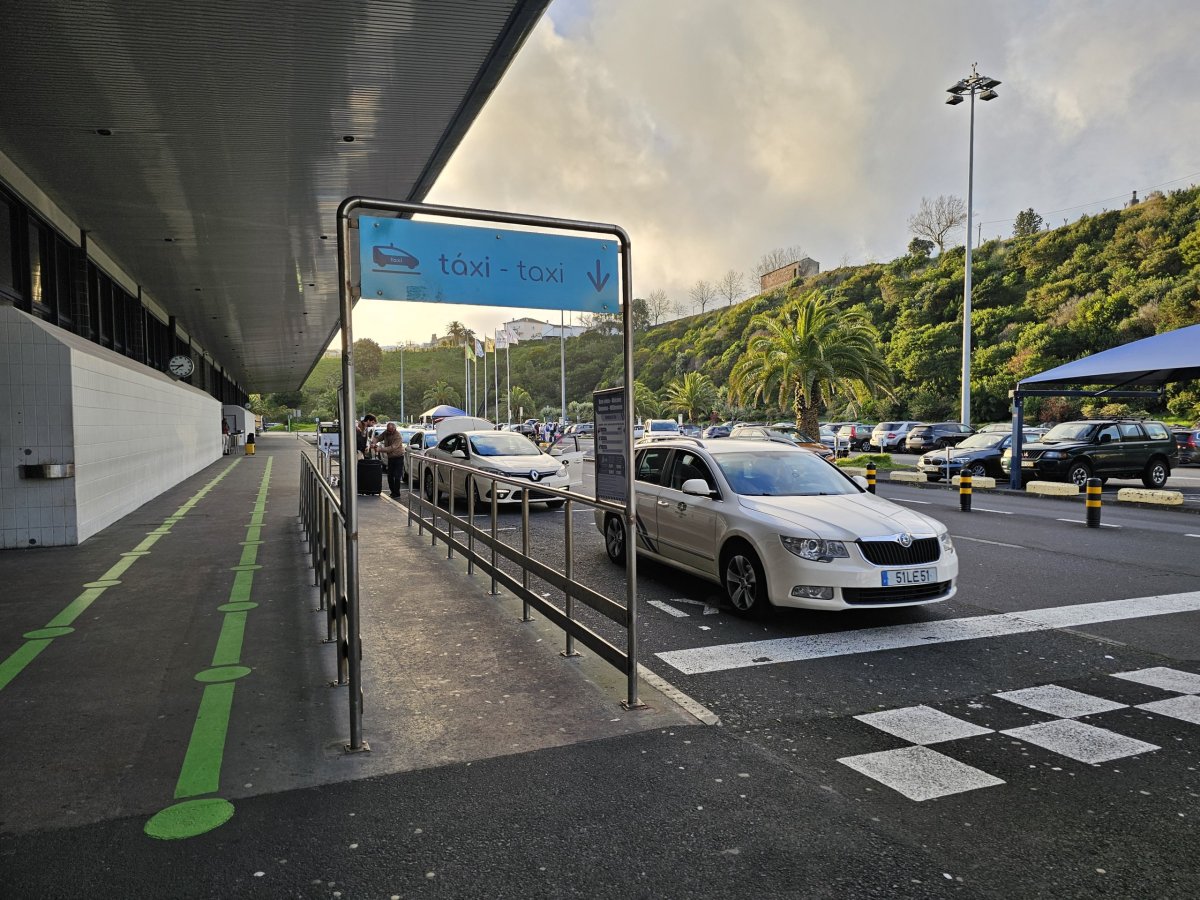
{"x": 569, "y": 573}
{"x": 525, "y": 617}
{"x": 495, "y": 532}
{"x": 450, "y": 518}
{"x": 470, "y": 523}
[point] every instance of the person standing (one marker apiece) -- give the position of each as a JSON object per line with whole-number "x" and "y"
{"x": 363, "y": 437}
{"x": 391, "y": 448}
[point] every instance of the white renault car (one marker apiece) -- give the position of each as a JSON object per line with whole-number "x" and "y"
{"x": 493, "y": 452}
{"x": 777, "y": 525}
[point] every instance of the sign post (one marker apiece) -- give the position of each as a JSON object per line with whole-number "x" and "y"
{"x": 384, "y": 255}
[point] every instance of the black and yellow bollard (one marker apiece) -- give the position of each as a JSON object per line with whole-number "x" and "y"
{"x": 964, "y": 491}
{"x": 250, "y": 444}
{"x": 1094, "y": 486}
{"x": 871, "y": 477}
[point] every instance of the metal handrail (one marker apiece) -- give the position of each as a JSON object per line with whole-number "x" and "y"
{"x": 323, "y": 521}
{"x": 426, "y": 514}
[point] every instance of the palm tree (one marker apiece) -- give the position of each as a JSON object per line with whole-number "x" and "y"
{"x": 645, "y": 404}
{"x": 810, "y": 353}
{"x": 441, "y": 392}
{"x": 693, "y": 395}
{"x": 458, "y": 332}
{"x": 522, "y": 400}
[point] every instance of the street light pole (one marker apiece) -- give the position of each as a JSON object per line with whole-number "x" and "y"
{"x": 984, "y": 86}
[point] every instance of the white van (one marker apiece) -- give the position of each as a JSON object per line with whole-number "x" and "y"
{"x": 660, "y": 428}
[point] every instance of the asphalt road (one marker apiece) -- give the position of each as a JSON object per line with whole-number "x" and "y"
{"x": 898, "y": 710}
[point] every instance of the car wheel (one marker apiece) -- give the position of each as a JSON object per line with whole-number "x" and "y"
{"x": 430, "y": 492}
{"x": 745, "y": 581}
{"x": 1156, "y": 474}
{"x": 1079, "y": 473}
{"x": 977, "y": 470}
{"x": 614, "y": 539}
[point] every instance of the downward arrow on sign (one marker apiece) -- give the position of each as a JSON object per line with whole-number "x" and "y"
{"x": 597, "y": 282}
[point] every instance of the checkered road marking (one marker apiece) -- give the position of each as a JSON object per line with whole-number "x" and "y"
{"x": 920, "y": 773}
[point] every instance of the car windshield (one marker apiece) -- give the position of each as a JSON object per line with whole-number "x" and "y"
{"x": 502, "y": 443}
{"x": 982, "y": 441}
{"x": 1068, "y": 431}
{"x": 786, "y": 474}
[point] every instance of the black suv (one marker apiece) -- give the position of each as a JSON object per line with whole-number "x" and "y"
{"x": 1101, "y": 448}
{"x": 923, "y": 438}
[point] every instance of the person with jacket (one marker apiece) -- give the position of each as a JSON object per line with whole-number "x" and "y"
{"x": 391, "y": 448}
{"x": 363, "y": 437}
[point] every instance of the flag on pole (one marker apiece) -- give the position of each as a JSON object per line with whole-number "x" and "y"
{"x": 478, "y": 348}
{"x": 466, "y": 351}
{"x": 511, "y": 333}
{"x": 489, "y": 345}
{"x": 501, "y": 339}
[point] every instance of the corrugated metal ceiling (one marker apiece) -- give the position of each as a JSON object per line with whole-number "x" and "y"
{"x": 218, "y": 186}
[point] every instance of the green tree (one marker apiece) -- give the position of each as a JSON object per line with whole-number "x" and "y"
{"x": 920, "y": 248}
{"x": 807, "y": 355}
{"x": 522, "y": 403}
{"x": 693, "y": 395}
{"x": 645, "y": 402}
{"x": 1027, "y": 223}
{"x": 441, "y": 392}
{"x": 368, "y": 357}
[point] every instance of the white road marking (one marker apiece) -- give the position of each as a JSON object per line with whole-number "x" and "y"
{"x": 1082, "y": 522}
{"x": 1192, "y": 535}
{"x": 700, "y": 660}
{"x": 1060, "y": 701}
{"x": 669, "y": 609}
{"x": 906, "y": 500}
{"x": 922, "y": 725}
{"x": 920, "y": 773}
{"x": 1185, "y": 708}
{"x": 1165, "y": 678}
{"x": 963, "y": 537}
{"x": 1080, "y": 741}
{"x": 679, "y": 613}
{"x": 999, "y": 512}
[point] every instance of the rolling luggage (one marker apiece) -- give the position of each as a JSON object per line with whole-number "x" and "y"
{"x": 370, "y": 476}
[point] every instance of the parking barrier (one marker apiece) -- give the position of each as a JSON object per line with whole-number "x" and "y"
{"x": 964, "y": 491}
{"x": 871, "y": 477}
{"x": 1094, "y": 486}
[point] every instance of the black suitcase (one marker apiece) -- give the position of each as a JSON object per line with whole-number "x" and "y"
{"x": 370, "y": 476}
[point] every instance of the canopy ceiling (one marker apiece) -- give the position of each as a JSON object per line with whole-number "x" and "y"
{"x": 1153, "y": 361}
{"x": 236, "y": 129}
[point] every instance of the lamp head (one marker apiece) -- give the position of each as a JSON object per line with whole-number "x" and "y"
{"x": 954, "y": 100}
{"x": 988, "y": 95}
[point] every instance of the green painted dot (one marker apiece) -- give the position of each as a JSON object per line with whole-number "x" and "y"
{"x": 245, "y": 568}
{"x": 111, "y": 582}
{"x": 137, "y": 553}
{"x": 222, "y": 673}
{"x": 251, "y": 543}
{"x": 43, "y": 633}
{"x": 189, "y": 819}
{"x": 237, "y": 607}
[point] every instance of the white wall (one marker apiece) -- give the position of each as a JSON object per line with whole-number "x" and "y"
{"x": 131, "y": 432}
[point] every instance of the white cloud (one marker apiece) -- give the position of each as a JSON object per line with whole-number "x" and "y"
{"x": 714, "y": 131}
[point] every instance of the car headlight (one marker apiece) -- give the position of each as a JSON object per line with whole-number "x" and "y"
{"x": 1052, "y": 454}
{"x": 814, "y": 549}
{"x": 486, "y": 471}
{"x": 947, "y": 544}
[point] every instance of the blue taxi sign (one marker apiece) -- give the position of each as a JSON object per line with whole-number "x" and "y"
{"x": 429, "y": 262}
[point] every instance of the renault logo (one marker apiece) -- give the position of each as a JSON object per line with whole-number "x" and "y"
{"x": 905, "y": 539}
{"x": 534, "y": 475}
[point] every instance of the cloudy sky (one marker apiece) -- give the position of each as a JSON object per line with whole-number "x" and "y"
{"x": 715, "y": 131}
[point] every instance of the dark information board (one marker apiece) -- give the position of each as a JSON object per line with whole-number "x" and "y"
{"x": 612, "y": 444}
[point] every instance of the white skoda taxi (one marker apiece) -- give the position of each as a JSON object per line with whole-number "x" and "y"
{"x": 777, "y": 525}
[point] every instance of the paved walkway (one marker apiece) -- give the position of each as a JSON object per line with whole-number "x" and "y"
{"x": 168, "y": 677}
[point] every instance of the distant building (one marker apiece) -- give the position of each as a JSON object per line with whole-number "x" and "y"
{"x": 804, "y": 268}
{"x": 332, "y": 354}
{"x": 527, "y": 329}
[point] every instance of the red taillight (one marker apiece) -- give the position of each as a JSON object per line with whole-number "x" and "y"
{"x": 1192, "y": 441}
{"x": 891, "y": 434}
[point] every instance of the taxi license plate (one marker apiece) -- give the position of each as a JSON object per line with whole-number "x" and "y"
{"x": 907, "y": 577}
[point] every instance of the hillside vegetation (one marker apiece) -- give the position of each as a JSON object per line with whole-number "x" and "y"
{"x": 1038, "y": 301}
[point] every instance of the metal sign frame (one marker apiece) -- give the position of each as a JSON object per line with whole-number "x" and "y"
{"x": 349, "y": 290}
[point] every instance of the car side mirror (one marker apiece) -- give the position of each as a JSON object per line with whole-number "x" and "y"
{"x": 697, "y": 487}
{"x": 860, "y": 481}
{"x": 459, "y": 454}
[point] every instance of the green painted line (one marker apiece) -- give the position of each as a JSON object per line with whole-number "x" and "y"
{"x": 189, "y": 819}
{"x": 201, "y": 772}
{"x": 19, "y": 659}
{"x": 229, "y": 643}
{"x": 251, "y": 568}
{"x": 249, "y": 554}
{"x": 248, "y": 543}
{"x": 253, "y": 533}
{"x": 43, "y": 633}
{"x": 25, "y": 654}
{"x": 76, "y": 607}
{"x": 119, "y": 568}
